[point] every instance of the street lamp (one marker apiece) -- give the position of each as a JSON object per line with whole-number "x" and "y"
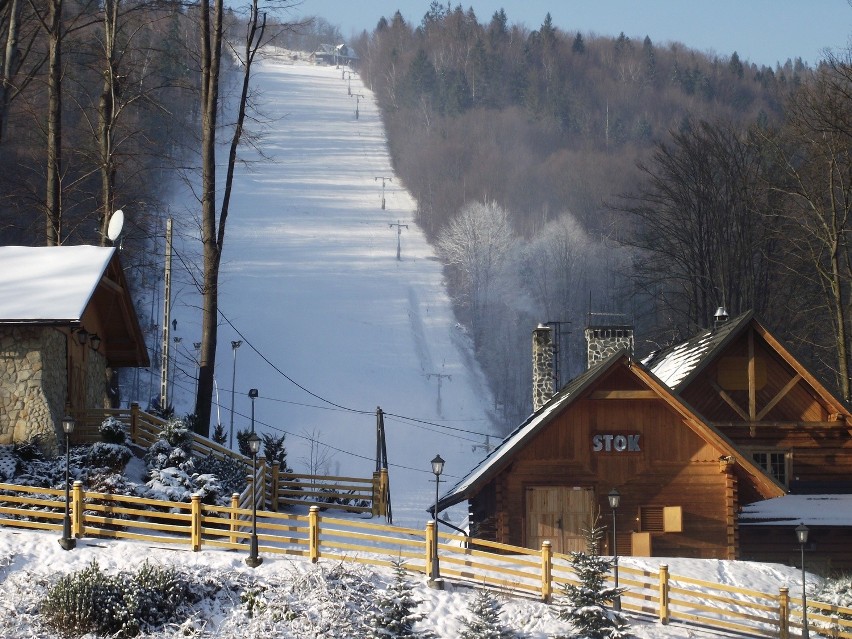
{"x": 802, "y": 536}
{"x": 254, "y": 446}
{"x": 437, "y": 469}
{"x": 234, "y": 345}
{"x": 253, "y": 395}
{"x": 67, "y": 541}
{"x": 614, "y": 500}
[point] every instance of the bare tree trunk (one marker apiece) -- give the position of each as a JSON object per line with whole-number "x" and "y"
{"x": 106, "y": 115}
{"x": 11, "y": 61}
{"x": 53, "y": 198}
{"x": 213, "y": 221}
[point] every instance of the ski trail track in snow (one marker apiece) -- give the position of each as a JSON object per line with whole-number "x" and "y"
{"x": 310, "y": 278}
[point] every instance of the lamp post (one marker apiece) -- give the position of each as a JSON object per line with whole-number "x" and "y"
{"x": 253, "y": 395}
{"x": 437, "y": 469}
{"x": 234, "y": 346}
{"x": 254, "y": 446}
{"x": 802, "y": 536}
{"x": 614, "y": 500}
{"x": 67, "y": 541}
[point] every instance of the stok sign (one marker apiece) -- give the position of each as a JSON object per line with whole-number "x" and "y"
{"x": 617, "y": 443}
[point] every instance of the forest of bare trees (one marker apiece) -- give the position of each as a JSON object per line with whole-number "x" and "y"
{"x": 635, "y": 184}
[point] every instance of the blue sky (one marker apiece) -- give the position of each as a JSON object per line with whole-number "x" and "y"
{"x": 761, "y": 31}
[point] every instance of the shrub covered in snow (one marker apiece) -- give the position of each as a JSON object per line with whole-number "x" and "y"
{"x": 230, "y": 472}
{"x": 105, "y": 455}
{"x": 112, "y": 431}
{"x": 91, "y": 601}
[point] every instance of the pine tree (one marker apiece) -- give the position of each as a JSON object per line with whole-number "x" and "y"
{"x": 585, "y": 605}
{"x": 394, "y": 613}
{"x": 485, "y": 620}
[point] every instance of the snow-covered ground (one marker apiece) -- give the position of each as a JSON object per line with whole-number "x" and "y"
{"x": 300, "y": 598}
{"x": 332, "y": 324}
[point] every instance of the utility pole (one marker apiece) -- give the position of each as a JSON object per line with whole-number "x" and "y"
{"x": 383, "y": 178}
{"x": 487, "y": 447}
{"x": 440, "y": 376}
{"x": 398, "y": 237}
{"x": 358, "y": 97}
{"x": 167, "y": 309}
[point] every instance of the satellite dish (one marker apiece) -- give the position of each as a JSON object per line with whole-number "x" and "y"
{"x": 116, "y": 222}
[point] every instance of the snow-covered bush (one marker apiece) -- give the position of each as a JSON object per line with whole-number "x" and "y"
{"x": 585, "y": 605}
{"x": 174, "y": 484}
{"x": 835, "y": 592}
{"x": 395, "y": 609}
{"x": 177, "y": 433}
{"x": 231, "y": 472}
{"x": 112, "y": 431}
{"x": 105, "y": 455}
{"x": 484, "y": 622}
{"x": 91, "y": 601}
{"x": 162, "y": 454}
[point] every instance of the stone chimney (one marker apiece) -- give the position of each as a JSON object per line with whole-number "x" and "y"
{"x": 603, "y": 341}
{"x": 542, "y": 344}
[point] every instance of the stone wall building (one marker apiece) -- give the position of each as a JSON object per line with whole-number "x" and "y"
{"x": 66, "y": 321}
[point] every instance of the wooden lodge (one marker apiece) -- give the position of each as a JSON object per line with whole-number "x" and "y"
{"x": 67, "y": 321}
{"x": 718, "y": 447}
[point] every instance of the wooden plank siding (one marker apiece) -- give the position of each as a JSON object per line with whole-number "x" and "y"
{"x": 674, "y": 467}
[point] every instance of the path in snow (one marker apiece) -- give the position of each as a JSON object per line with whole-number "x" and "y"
{"x": 311, "y": 280}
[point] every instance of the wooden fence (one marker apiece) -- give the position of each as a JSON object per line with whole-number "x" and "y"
{"x": 279, "y": 490}
{"x": 518, "y": 571}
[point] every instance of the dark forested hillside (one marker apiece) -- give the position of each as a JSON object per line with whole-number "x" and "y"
{"x": 563, "y": 175}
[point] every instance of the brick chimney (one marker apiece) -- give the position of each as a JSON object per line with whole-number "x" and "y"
{"x": 542, "y": 345}
{"x": 603, "y": 341}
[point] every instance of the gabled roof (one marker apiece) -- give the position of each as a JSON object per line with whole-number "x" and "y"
{"x": 677, "y": 365}
{"x": 49, "y": 284}
{"x": 501, "y": 456}
{"x": 58, "y": 285}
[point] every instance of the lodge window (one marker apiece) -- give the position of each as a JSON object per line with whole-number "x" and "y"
{"x": 772, "y": 462}
{"x": 660, "y": 519}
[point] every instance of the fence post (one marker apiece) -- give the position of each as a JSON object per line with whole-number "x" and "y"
{"x": 235, "y": 505}
{"x": 664, "y": 594}
{"x": 275, "y": 485}
{"x": 77, "y": 528}
{"x": 378, "y": 500}
{"x": 313, "y": 534}
{"x": 134, "y": 419}
{"x": 383, "y": 473}
{"x": 430, "y": 551}
{"x": 546, "y": 570}
{"x": 784, "y": 613}
{"x": 195, "y": 523}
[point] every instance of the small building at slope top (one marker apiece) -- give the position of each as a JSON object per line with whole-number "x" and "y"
{"x": 66, "y": 322}
{"x": 688, "y": 437}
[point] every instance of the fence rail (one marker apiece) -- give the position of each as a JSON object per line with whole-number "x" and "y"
{"x": 314, "y": 536}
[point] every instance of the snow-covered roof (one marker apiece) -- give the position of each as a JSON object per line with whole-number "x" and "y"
{"x": 791, "y": 510}
{"x": 676, "y": 364}
{"x": 49, "y": 284}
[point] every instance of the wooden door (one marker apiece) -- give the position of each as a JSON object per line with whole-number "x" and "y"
{"x": 558, "y": 514}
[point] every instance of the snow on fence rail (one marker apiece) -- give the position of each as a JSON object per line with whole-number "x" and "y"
{"x": 315, "y": 536}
